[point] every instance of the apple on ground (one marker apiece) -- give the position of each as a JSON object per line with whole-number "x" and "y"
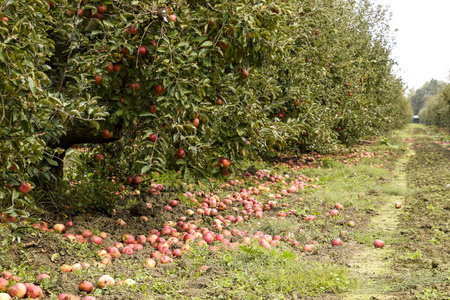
{"x": 59, "y": 227}
{"x": 86, "y": 286}
{"x": 308, "y": 248}
{"x": 378, "y": 244}
{"x": 336, "y": 242}
{"x": 3, "y": 284}
{"x": 105, "y": 280}
{"x": 17, "y": 290}
{"x": 6, "y": 274}
{"x": 42, "y": 277}
{"x": 34, "y": 292}
{"x": 149, "y": 263}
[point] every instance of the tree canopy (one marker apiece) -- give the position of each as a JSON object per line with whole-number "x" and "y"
{"x": 188, "y": 84}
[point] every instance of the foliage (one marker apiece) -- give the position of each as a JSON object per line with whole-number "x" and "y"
{"x": 429, "y": 89}
{"x": 291, "y": 75}
{"x": 437, "y": 109}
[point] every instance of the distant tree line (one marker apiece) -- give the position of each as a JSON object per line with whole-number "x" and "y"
{"x": 432, "y": 103}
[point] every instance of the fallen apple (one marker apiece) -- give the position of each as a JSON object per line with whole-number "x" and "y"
{"x": 17, "y": 290}
{"x": 378, "y": 244}
{"x": 66, "y": 268}
{"x": 105, "y": 280}
{"x": 149, "y": 263}
{"x": 3, "y": 284}
{"x": 5, "y": 296}
{"x": 86, "y": 286}
{"x": 59, "y": 227}
{"x": 34, "y": 292}
{"x": 308, "y": 248}
{"x": 6, "y": 274}
{"x": 42, "y": 277}
{"x": 334, "y": 212}
{"x": 336, "y": 242}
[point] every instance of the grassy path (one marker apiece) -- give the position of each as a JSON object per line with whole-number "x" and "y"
{"x": 414, "y": 263}
{"x": 371, "y": 267}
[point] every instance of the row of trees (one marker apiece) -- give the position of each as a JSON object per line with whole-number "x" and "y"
{"x": 188, "y": 84}
{"x": 431, "y": 103}
{"x": 436, "y": 110}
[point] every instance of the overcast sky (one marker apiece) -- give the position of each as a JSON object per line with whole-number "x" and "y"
{"x": 423, "y": 39}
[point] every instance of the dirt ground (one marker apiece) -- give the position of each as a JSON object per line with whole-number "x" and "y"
{"x": 414, "y": 264}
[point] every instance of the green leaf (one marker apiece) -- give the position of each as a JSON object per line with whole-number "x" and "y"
{"x": 241, "y": 129}
{"x": 145, "y": 169}
{"x": 51, "y": 162}
{"x": 206, "y": 44}
{"x": 95, "y": 124}
{"x": 32, "y": 85}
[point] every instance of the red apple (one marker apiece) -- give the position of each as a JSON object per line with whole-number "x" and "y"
{"x": 334, "y": 212}
{"x": 165, "y": 259}
{"x": 34, "y": 292}
{"x": 3, "y": 284}
{"x": 153, "y": 109}
{"x": 310, "y": 218}
{"x": 86, "y": 286}
{"x": 128, "y": 238}
{"x": 378, "y": 244}
{"x": 105, "y": 280}
{"x": 180, "y": 153}
{"x": 98, "y": 79}
{"x": 117, "y": 68}
{"x": 398, "y": 204}
{"x": 98, "y": 157}
{"x": 110, "y": 67}
{"x": 159, "y": 90}
{"x": 42, "y": 277}
{"x": 173, "y": 18}
{"x": 196, "y": 122}
{"x": 152, "y": 137}
{"x": 173, "y": 203}
{"x": 6, "y": 274}
{"x": 96, "y": 240}
{"x": 245, "y": 72}
{"x": 308, "y": 248}
{"x": 134, "y": 30}
{"x": 101, "y": 9}
{"x": 339, "y": 206}
{"x": 226, "y": 163}
{"x": 336, "y": 242}
{"x": 219, "y": 102}
{"x": 86, "y": 233}
{"x": 17, "y": 290}
{"x": 107, "y": 134}
{"x": 59, "y": 227}
{"x": 142, "y": 50}
{"x": 5, "y": 19}
{"x": 88, "y": 298}
{"x": 24, "y": 188}
{"x": 137, "y": 180}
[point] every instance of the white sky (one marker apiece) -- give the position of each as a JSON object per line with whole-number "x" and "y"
{"x": 423, "y": 44}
